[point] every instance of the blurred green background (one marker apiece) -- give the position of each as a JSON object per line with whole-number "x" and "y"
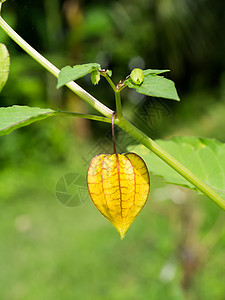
{"x": 175, "y": 248}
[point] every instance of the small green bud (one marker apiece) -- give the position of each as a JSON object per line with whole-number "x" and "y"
{"x": 109, "y": 73}
{"x": 95, "y": 76}
{"x": 137, "y": 76}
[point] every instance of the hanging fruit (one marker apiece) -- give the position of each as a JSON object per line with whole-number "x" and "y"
{"x": 119, "y": 186}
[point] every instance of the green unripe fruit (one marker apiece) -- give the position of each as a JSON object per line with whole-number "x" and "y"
{"x": 95, "y": 76}
{"x": 137, "y": 76}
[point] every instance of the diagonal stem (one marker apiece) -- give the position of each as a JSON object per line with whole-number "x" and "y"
{"x": 84, "y": 116}
{"x": 55, "y": 71}
{"x": 171, "y": 161}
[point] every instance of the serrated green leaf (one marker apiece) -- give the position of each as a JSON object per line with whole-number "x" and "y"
{"x": 69, "y": 73}
{"x": 204, "y": 157}
{"x": 155, "y": 86}
{"x": 16, "y": 116}
{"x": 4, "y": 65}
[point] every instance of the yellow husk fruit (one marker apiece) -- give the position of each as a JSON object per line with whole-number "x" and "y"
{"x": 119, "y": 186}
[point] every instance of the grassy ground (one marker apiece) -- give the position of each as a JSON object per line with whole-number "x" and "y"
{"x": 49, "y": 251}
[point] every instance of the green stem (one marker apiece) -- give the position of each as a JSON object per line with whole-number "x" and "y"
{"x": 118, "y": 105}
{"x": 55, "y": 71}
{"x": 171, "y": 161}
{"x": 85, "y": 116}
{"x": 113, "y": 133}
{"x": 123, "y": 86}
{"x": 117, "y": 95}
{"x": 109, "y": 80}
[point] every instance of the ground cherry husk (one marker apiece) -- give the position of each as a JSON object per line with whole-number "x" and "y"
{"x": 119, "y": 186}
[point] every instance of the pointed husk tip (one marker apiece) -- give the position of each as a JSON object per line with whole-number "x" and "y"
{"x": 122, "y": 232}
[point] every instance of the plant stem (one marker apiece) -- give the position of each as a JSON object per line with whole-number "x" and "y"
{"x": 55, "y": 71}
{"x": 117, "y": 95}
{"x": 85, "y": 116}
{"x": 171, "y": 161}
{"x": 113, "y": 133}
{"x": 109, "y": 80}
{"x": 118, "y": 105}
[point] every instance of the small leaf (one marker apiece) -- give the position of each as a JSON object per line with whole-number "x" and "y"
{"x": 14, "y": 117}
{"x": 95, "y": 77}
{"x": 204, "y": 157}
{"x": 155, "y": 86}
{"x": 137, "y": 76}
{"x": 4, "y": 65}
{"x": 154, "y": 72}
{"x": 109, "y": 73}
{"x": 118, "y": 185}
{"x": 69, "y": 73}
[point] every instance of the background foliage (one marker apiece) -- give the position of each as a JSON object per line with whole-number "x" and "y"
{"x": 175, "y": 247}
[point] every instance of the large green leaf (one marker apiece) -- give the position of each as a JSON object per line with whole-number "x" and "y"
{"x": 204, "y": 157}
{"x": 14, "y": 117}
{"x": 4, "y": 65}
{"x": 69, "y": 73}
{"x": 155, "y": 86}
